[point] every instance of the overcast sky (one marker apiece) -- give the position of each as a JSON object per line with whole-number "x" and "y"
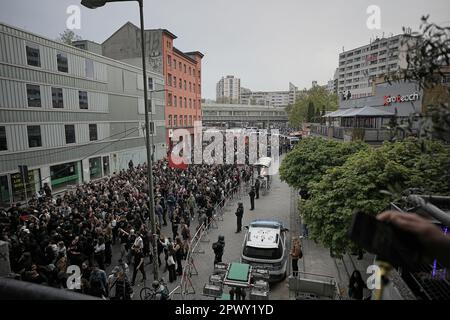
{"x": 265, "y": 43}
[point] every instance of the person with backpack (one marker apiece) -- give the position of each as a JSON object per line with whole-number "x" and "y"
{"x": 218, "y": 248}
{"x": 296, "y": 254}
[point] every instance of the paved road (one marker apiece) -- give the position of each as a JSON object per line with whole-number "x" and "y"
{"x": 279, "y": 203}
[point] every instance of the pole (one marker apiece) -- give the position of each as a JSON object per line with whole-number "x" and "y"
{"x": 147, "y": 142}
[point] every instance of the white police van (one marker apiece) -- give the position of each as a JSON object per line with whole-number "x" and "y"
{"x": 265, "y": 247}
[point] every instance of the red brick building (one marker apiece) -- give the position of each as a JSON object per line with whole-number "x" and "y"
{"x": 182, "y": 72}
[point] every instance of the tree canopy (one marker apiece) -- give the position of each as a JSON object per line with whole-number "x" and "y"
{"x": 312, "y": 157}
{"x": 356, "y": 184}
{"x": 310, "y": 103}
{"x": 68, "y": 36}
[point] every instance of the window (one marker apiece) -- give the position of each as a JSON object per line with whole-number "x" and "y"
{"x": 190, "y": 86}
{"x": 169, "y": 79}
{"x": 169, "y": 99}
{"x": 179, "y": 65}
{"x": 190, "y": 71}
{"x": 89, "y": 68}
{"x": 57, "y": 98}
{"x": 34, "y": 136}
{"x": 61, "y": 59}
{"x": 175, "y": 118}
{"x": 181, "y": 83}
{"x": 190, "y": 103}
{"x": 199, "y": 88}
{"x": 150, "y": 83}
{"x": 33, "y": 55}
{"x": 152, "y": 127}
{"x": 175, "y": 101}
{"x": 170, "y": 120}
{"x": 185, "y": 102}
{"x": 174, "y": 81}
{"x": 181, "y": 102}
{"x": 185, "y": 121}
{"x": 169, "y": 61}
{"x": 174, "y": 64}
{"x": 199, "y": 73}
{"x": 93, "y": 135}
{"x": 34, "y": 95}
{"x": 3, "y": 143}
{"x": 83, "y": 99}
{"x": 185, "y": 68}
{"x": 185, "y": 85}
{"x": 190, "y": 120}
{"x": 195, "y": 104}
{"x": 70, "y": 133}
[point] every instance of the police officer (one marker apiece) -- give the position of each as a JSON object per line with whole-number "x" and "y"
{"x": 252, "y": 198}
{"x": 257, "y": 185}
{"x": 218, "y": 248}
{"x": 239, "y": 213}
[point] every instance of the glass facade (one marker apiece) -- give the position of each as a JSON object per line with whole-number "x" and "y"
{"x": 65, "y": 174}
{"x": 95, "y": 168}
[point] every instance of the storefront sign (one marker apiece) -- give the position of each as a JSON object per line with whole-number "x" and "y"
{"x": 399, "y": 98}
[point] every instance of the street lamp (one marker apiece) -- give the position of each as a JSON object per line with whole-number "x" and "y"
{"x": 93, "y": 4}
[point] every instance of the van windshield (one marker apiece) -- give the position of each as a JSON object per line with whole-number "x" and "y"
{"x": 264, "y": 253}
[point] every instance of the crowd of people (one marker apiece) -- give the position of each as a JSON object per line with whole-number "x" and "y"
{"x": 109, "y": 217}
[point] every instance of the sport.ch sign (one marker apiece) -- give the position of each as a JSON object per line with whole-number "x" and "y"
{"x": 399, "y": 98}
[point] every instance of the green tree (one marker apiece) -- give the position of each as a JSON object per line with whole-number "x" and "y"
{"x": 312, "y": 157}
{"x": 318, "y": 96}
{"x": 68, "y": 36}
{"x": 311, "y": 112}
{"x": 357, "y": 184}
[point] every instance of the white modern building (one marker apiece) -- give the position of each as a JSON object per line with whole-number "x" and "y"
{"x": 70, "y": 115}
{"x": 228, "y": 90}
{"x": 359, "y": 67}
{"x": 270, "y": 98}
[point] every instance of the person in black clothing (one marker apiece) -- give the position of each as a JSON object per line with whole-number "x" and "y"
{"x": 138, "y": 265}
{"x": 252, "y": 198}
{"x": 257, "y": 186}
{"x": 130, "y": 164}
{"x": 239, "y": 213}
{"x": 218, "y": 248}
{"x": 356, "y": 286}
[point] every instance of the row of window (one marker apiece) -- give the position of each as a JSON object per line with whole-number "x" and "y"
{"x": 182, "y": 66}
{"x": 373, "y": 47}
{"x": 34, "y": 97}
{"x": 35, "y": 137}
{"x": 172, "y": 82}
{"x": 173, "y": 100}
{"x": 34, "y": 59}
{"x": 178, "y": 120}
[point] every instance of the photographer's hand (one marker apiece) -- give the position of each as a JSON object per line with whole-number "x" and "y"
{"x": 436, "y": 243}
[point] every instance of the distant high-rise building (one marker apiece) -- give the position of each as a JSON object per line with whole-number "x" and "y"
{"x": 228, "y": 90}
{"x": 269, "y": 98}
{"x": 359, "y": 67}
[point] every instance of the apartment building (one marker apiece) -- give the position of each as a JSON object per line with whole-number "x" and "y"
{"x": 68, "y": 114}
{"x": 181, "y": 70}
{"x": 270, "y": 98}
{"x": 359, "y": 67}
{"x": 228, "y": 90}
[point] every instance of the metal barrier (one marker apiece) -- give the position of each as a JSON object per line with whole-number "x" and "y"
{"x": 200, "y": 235}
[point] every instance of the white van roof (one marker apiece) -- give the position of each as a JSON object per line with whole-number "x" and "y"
{"x": 260, "y": 237}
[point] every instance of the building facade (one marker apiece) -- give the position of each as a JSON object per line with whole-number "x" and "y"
{"x": 181, "y": 70}
{"x": 68, "y": 114}
{"x": 270, "y": 98}
{"x": 241, "y": 116}
{"x": 228, "y": 90}
{"x": 358, "y": 68}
